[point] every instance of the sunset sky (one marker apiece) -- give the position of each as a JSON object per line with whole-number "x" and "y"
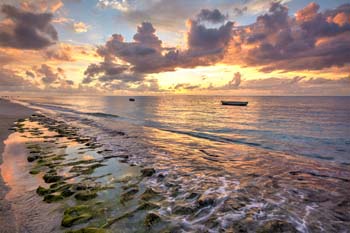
{"x": 162, "y": 47}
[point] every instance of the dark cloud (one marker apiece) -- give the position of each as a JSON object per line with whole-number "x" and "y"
{"x": 69, "y": 82}
{"x": 27, "y": 30}
{"x": 146, "y": 54}
{"x": 235, "y": 82}
{"x": 212, "y": 16}
{"x": 30, "y": 74}
{"x": 50, "y": 76}
{"x": 312, "y": 40}
{"x": 208, "y": 40}
{"x": 146, "y": 35}
{"x": 239, "y": 11}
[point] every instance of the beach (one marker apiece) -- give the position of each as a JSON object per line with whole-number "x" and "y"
{"x": 101, "y": 170}
{"x": 9, "y": 113}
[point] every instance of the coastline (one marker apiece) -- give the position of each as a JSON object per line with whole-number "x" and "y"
{"x": 9, "y": 113}
{"x": 71, "y": 166}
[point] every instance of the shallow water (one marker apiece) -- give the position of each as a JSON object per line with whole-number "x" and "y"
{"x": 317, "y": 127}
{"x": 227, "y": 169}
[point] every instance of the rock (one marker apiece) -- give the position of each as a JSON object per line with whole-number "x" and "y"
{"x": 183, "y": 210}
{"x": 206, "y": 199}
{"x": 52, "y": 178}
{"x": 277, "y": 226}
{"x": 76, "y": 215}
{"x": 34, "y": 171}
{"x": 85, "y": 195}
{"x": 148, "y": 194}
{"x": 128, "y": 195}
{"x": 88, "y": 230}
{"x": 49, "y": 198}
{"x": 67, "y": 192}
{"x": 42, "y": 191}
{"x": 151, "y": 218}
{"x": 192, "y": 196}
{"x": 32, "y": 158}
{"x": 147, "y": 206}
{"x": 148, "y": 172}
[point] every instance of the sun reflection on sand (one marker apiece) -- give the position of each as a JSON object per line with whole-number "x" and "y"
{"x": 15, "y": 162}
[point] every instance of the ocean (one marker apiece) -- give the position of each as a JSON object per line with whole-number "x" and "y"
{"x": 314, "y": 127}
{"x": 283, "y": 158}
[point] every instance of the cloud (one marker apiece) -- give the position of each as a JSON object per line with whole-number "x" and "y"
{"x": 59, "y": 52}
{"x": 10, "y": 81}
{"x": 48, "y": 75}
{"x": 51, "y": 78}
{"x": 26, "y": 30}
{"x": 239, "y": 11}
{"x": 40, "y": 6}
{"x": 80, "y": 27}
{"x": 212, "y": 16}
{"x": 208, "y": 40}
{"x": 30, "y": 74}
{"x": 311, "y": 41}
{"x": 186, "y": 86}
{"x": 128, "y": 63}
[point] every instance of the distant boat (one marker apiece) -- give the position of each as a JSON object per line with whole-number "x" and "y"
{"x": 234, "y": 103}
{"x": 131, "y": 99}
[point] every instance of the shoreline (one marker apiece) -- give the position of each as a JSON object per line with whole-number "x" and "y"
{"x": 9, "y": 113}
{"x": 106, "y": 188}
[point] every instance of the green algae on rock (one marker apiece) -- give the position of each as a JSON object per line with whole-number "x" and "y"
{"x": 85, "y": 195}
{"x": 128, "y": 195}
{"x": 88, "y": 230}
{"x": 76, "y": 215}
{"x": 277, "y": 226}
{"x": 151, "y": 218}
{"x": 49, "y": 198}
{"x": 148, "y": 172}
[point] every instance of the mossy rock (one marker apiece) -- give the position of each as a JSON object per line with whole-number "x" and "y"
{"x": 49, "y": 198}
{"x": 183, "y": 210}
{"x": 52, "y": 178}
{"x": 32, "y": 158}
{"x": 151, "y": 218}
{"x": 34, "y": 171}
{"x": 149, "y": 194}
{"x": 67, "y": 192}
{"x": 128, "y": 195}
{"x": 42, "y": 191}
{"x": 148, "y": 172}
{"x": 86, "y": 170}
{"x": 88, "y": 230}
{"x": 277, "y": 226}
{"x": 85, "y": 195}
{"x": 57, "y": 184}
{"x": 76, "y": 215}
{"x": 147, "y": 206}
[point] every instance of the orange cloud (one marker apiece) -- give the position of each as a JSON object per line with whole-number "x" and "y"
{"x": 80, "y": 27}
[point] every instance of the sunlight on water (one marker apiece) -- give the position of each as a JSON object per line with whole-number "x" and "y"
{"x": 221, "y": 167}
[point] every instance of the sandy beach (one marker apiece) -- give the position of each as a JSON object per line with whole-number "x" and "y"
{"x": 9, "y": 112}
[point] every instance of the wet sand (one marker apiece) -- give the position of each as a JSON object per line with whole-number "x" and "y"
{"x": 9, "y": 112}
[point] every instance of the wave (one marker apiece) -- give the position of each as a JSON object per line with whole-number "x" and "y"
{"x": 69, "y": 110}
{"x": 101, "y": 114}
{"x": 214, "y": 137}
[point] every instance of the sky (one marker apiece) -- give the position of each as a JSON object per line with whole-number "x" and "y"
{"x": 165, "y": 47}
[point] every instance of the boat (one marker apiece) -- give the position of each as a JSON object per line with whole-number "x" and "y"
{"x": 131, "y": 99}
{"x": 234, "y": 103}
